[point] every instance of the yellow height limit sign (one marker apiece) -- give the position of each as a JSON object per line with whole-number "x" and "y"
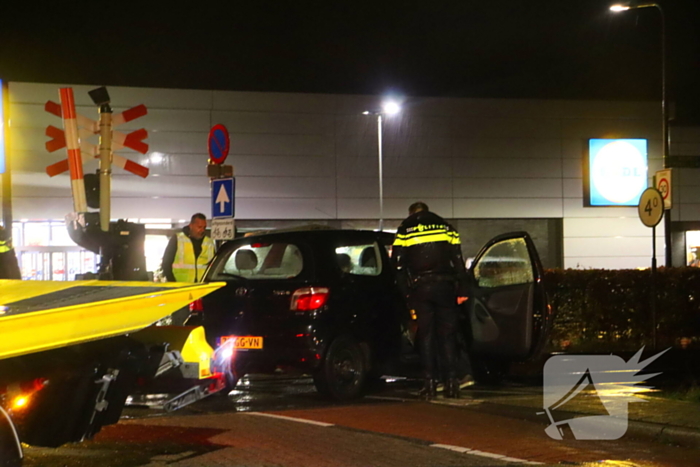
{"x": 651, "y": 207}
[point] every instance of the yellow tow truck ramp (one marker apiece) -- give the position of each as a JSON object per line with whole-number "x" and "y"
{"x": 72, "y": 352}
{"x": 37, "y": 316}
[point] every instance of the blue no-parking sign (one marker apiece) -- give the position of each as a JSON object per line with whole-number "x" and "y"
{"x": 218, "y": 144}
{"x": 223, "y": 197}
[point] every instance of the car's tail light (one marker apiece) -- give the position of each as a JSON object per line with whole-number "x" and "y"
{"x": 309, "y": 298}
{"x": 197, "y": 306}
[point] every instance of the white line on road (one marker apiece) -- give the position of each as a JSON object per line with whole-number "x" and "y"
{"x": 486, "y": 454}
{"x": 520, "y": 461}
{"x": 293, "y": 419}
{"x": 490, "y": 455}
{"x": 450, "y": 447}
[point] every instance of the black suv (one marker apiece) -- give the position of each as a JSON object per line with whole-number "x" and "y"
{"x": 325, "y": 303}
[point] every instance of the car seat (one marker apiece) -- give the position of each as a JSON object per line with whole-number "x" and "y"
{"x": 344, "y": 262}
{"x": 246, "y": 261}
{"x": 368, "y": 258}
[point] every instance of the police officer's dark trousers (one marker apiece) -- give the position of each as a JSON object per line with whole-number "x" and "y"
{"x": 436, "y": 310}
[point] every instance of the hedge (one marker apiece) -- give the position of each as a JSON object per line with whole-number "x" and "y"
{"x": 610, "y": 310}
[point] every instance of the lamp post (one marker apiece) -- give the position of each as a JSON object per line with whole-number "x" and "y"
{"x": 664, "y": 118}
{"x": 388, "y": 108}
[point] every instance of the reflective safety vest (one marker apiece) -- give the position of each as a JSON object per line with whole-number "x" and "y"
{"x": 421, "y": 234}
{"x": 185, "y": 269}
{"x": 5, "y": 247}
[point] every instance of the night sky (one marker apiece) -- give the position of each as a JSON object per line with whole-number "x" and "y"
{"x": 509, "y": 48}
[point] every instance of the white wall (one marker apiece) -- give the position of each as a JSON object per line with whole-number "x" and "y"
{"x": 314, "y": 156}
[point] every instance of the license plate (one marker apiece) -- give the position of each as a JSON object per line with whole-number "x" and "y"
{"x": 244, "y": 342}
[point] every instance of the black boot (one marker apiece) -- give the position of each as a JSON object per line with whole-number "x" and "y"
{"x": 452, "y": 388}
{"x": 429, "y": 391}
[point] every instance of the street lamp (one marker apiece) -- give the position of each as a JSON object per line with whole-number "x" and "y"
{"x": 388, "y": 109}
{"x": 619, "y": 7}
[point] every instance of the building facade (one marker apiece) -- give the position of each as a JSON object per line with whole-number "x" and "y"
{"x": 489, "y": 165}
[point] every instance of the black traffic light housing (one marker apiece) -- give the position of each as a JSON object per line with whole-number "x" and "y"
{"x": 99, "y": 96}
{"x": 92, "y": 189}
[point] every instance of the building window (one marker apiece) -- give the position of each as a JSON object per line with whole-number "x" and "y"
{"x": 692, "y": 248}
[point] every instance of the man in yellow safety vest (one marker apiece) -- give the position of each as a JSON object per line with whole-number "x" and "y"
{"x": 189, "y": 252}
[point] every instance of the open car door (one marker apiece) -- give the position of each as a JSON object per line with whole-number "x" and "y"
{"x": 508, "y": 309}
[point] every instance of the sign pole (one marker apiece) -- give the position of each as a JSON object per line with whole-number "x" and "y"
{"x": 653, "y": 286}
{"x": 651, "y": 211}
{"x": 105, "y": 165}
{"x": 5, "y": 156}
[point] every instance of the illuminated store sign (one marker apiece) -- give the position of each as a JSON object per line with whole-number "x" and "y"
{"x": 617, "y": 172}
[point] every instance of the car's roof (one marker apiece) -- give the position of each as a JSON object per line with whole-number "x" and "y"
{"x": 316, "y": 232}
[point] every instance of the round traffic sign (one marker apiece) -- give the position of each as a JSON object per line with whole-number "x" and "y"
{"x": 218, "y": 144}
{"x": 651, "y": 207}
{"x": 663, "y": 188}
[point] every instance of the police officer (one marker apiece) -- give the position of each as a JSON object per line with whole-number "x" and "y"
{"x": 189, "y": 252}
{"x": 428, "y": 256}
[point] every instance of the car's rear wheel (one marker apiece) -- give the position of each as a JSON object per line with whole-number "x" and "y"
{"x": 343, "y": 371}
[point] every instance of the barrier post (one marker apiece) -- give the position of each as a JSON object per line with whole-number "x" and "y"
{"x": 75, "y": 163}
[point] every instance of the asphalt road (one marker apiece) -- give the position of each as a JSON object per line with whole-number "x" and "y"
{"x": 283, "y": 422}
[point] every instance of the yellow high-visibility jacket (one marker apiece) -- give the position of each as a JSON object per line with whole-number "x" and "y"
{"x": 185, "y": 267}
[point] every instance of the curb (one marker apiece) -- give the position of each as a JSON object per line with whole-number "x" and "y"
{"x": 659, "y": 432}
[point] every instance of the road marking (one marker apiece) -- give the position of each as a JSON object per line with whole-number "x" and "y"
{"x": 486, "y": 454}
{"x": 450, "y": 447}
{"x": 292, "y": 419}
{"x": 521, "y": 461}
{"x": 490, "y": 455}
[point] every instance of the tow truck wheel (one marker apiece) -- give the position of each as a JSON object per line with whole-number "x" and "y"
{"x": 10, "y": 448}
{"x": 343, "y": 371}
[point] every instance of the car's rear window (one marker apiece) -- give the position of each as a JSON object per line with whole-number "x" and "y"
{"x": 261, "y": 261}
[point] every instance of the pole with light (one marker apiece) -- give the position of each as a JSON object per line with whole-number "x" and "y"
{"x": 389, "y": 108}
{"x": 664, "y": 118}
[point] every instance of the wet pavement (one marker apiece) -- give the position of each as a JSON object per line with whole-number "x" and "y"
{"x": 653, "y": 417}
{"x": 283, "y": 421}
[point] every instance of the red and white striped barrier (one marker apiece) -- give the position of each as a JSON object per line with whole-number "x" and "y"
{"x": 130, "y": 166}
{"x": 133, "y": 140}
{"x": 75, "y": 163}
{"x": 87, "y": 128}
{"x": 129, "y": 115}
{"x": 93, "y": 152}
